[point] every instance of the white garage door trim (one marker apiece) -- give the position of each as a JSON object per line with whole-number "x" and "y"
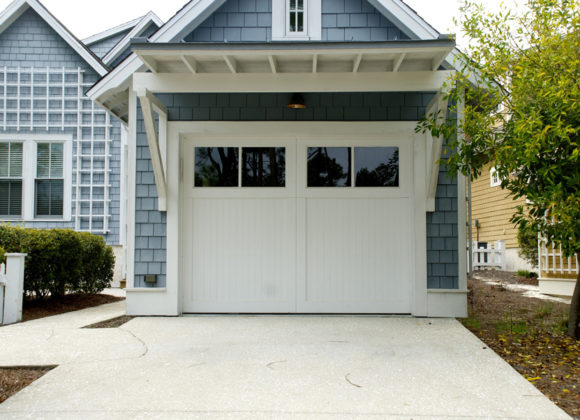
{"x": 183, "y": 132}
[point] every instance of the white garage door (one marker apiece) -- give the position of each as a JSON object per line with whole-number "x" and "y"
{"x": 296, "y": 225}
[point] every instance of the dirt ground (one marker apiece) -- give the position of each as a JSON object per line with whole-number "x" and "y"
{"x": 530, "y": 334}
{"x": 112, "y": 323}
{"x": 40, "y": 308}
{"x": 12, "y": 380}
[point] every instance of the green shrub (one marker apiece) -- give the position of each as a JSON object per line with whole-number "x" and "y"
{"x": 2, "y": 255}
{"x": 528, "y": 243}
{"x": 60, "y": 261}
{"x": 527, "y": 274}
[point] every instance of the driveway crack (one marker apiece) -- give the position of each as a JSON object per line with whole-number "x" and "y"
{"x": 146, "y": 348}
{"x": 350, "y": 382}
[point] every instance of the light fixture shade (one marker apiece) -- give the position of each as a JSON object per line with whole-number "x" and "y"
{"x": 297, "y": 101}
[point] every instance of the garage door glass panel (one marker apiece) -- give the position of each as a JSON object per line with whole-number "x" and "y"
{"x": 377, "y": 166}
{"x": 216, "y": 166}
{"x": 329, "y": 166}
{"x": 263, "y": 167}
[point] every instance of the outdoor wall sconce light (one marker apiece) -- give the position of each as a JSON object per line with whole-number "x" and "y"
{"x": 297, "y": 101}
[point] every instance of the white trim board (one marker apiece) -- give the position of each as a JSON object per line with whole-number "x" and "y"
{"x": 147, "y": 20}
{"x": 112, "y": 31}
{"x": 291, "y": 82}
{"x": 17, "y": 8}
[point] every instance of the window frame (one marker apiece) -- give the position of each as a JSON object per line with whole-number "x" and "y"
{"x": 10, "y": 178}
{"x": 29, "y": 171}
{"x": 494, "y": 180}
{"x": 281, "y": 21}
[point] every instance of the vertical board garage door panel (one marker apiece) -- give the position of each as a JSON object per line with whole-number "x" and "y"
{"x": 243, "y": 255}
{"x": 357, "y": 255}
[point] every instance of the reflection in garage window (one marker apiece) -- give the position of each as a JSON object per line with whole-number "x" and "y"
{"x": 377, "y": 166}
{"x": 329, "y": 166}
{"x": 216, "y": 166}
{"x": 263, "y": 167}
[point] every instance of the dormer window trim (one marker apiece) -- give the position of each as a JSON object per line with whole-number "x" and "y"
{"x": 282, "y": 11}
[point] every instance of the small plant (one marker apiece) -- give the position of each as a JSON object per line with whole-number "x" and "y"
{"x": 2, "y": 255}
{"x": 527, "y": 274}
{"x": 528, "y": 243}
{"x": 471, "y": 323}
{"x": 545, "y": 311}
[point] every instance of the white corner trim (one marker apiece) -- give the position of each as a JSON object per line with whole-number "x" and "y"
{"x": 112, "y": 31}
{"x": 144, "y": 23}
{"x": 194, "y": 13}
{"x": 16, "y": 9}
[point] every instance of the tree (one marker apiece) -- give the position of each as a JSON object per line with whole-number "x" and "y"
{"x": 520, "y": 85}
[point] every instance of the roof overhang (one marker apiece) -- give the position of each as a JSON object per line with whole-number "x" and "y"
{"x": 405, "y": 65}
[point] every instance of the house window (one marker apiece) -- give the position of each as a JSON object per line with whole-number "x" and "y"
{"x": 35, "y": 177}
{"x": 494, "y": 180}
{"x": 296, "y": 20}
{"x": 10, "y": 179}
{"x": 367, "y": 166}
{"x": 221, "y": 167}
{"x": 49, "y": 188}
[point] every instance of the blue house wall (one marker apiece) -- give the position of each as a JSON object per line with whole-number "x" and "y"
{"x": 251, "y": 21}
{"x": 101, "y": 48}
{"x": 31, "y": 42}
{"x": 150, "y": 228}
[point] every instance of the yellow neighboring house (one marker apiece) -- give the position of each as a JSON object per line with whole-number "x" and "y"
{"x": 492, "y": 209}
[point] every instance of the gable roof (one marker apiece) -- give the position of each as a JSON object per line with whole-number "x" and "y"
{"x": 18, "y": 7}
{"x": 127, "y": 26}
{"x": 196, "y": 11}
{"x": 142, "y": 25}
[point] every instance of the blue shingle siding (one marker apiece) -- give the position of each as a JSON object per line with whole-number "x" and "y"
{"x": 102, "y": 47}
{"x": 31, "y": 43}
{"x": 150, "y": 237}
{"x": 146, "y": 34}
{"x": 251, "y": 21}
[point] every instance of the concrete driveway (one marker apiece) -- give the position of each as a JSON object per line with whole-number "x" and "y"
{"x": 271, "y": 367}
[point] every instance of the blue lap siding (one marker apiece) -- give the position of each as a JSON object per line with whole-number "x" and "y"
{"x": 150, "y": 240}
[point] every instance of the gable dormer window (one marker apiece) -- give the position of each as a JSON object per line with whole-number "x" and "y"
{"x": 295, "y": 20}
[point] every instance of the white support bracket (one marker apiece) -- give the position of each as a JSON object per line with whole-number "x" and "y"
{"x": 149, "y": 106}
{"x": 437, "y": 106}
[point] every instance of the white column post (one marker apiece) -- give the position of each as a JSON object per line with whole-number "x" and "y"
{"x": 14, "y": 290}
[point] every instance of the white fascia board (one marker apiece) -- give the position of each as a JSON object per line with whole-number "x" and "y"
{"x": 112, "y": 31}
{"x": 16, "y": 9}
{"x": 12, "y": 13}
{"x": 405, "y": 19}
{"x": 142, "y": 25}
{"x": 193, "y": 14}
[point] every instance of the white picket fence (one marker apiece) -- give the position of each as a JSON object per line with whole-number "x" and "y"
{"x": 11, "y": 289}
{"x": 486, "y": 257}
{"x": 2, "y": 287}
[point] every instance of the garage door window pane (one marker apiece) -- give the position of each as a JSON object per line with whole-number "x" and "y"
{"x": 377, "y": 166}
{"x": 329, "y": 166}
{"x": 216, "y": 166}
{"x": 263, "y": 167}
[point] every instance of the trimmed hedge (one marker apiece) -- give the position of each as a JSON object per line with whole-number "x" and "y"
{"x": 2, "y": 255}
{"x": 60, "y": 261}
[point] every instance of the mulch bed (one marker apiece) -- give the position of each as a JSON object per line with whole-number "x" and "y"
{"x": 529, "y": 334}
{"x": 13, "y": 380}
{"x": 40, "y": 308}
{"x": 112, "y": 323}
